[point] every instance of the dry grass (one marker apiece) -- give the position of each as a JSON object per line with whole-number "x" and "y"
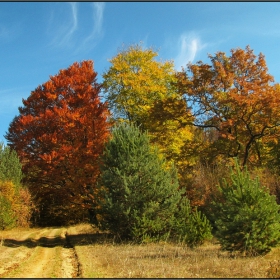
{"x": 16, "y": 232}
{"x": 101, "y": 257}
{"x": 104, "y": 258}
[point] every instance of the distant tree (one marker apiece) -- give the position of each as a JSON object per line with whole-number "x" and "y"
{"x": 7, "y": 217}
{"x": 190, "y": 225}
{"x": 246, "y": 215}
{"x": 59, "y": 134}
{"x": 170, "y": 126}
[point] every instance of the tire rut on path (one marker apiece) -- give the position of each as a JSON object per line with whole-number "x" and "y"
{"x": 43, "y": 261}
{"x": 70, "y": 263}
{"x": 11, "y": 257}
{"x": 51, "y": 256}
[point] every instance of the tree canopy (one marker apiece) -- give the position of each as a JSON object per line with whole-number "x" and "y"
{"x": 143, "y": 90}
{"x": 199, "y": 119}
{"x": 59, "y": 134}
{"x": 135, "y": 81}
{"x": 234, "y": 96}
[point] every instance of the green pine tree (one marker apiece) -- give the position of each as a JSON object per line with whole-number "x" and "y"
{"x": 7, "y": 215}
{"x": 190, "y": 226}
{"x": 10, "y": 166}
{"x": 15, "y": 200}
{"x": 247, "y": 217}
{"x": 136, "y": 195}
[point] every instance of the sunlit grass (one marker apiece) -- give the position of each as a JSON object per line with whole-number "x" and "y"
{"x": 101, "y": 257}
{"x": 106, "y": 259}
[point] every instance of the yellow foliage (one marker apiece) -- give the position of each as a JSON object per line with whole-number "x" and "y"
{"x": 136, "y": 80}
{"x": 20, "y": 200}
{"x": 143, "y": 90}
{"x": 235, "y": 96}
{"x": 7, "y": 189}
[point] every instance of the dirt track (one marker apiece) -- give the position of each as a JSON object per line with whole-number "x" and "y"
{"x": 47, "y": 253}
{"x": 37, "y": 253}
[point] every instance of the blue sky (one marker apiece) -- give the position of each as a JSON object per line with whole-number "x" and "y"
{"x": 38, "y": 39}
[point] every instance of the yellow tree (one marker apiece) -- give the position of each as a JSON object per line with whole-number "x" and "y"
{"x": 170, "y": 124}
{"x": 235, "y": 97}
{"x": 135, "y": 81}
{"x": 143, "y": 90}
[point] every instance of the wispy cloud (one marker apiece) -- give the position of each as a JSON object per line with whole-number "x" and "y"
{"x": 98, "y": 17}
{"x": 72, "y": 33}
{"x": 74, "y": 23}
{"x": 63, "y": 32}
{"x": 188, "y": 45}
{"x": 9, "y": 33}
{"x": 96, "y": 31}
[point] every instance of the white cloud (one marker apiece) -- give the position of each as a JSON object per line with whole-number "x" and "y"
{"x": 73, "y": 25}
{"x": 98, "y": 11}
{"x": 98, "y": 16}
{"x": 188, "y": 45}
{"x": 72, "y": 32}
{"x": 11, "y": 32}
{"x": 63, "y": 32}
{"x": 74, "y": 19}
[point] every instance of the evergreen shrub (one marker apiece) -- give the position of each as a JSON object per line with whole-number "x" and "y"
{"x": 191, "y": 226}
{"x": 247, "y": 216}
{"x": 138, "y": 196}
{"x": 15, "y": 200}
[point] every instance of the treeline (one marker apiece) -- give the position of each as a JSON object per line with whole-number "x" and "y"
{"x": 164, "y": 154}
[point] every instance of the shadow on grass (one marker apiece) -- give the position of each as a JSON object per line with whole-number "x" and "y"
{"x": 68, "y": 242}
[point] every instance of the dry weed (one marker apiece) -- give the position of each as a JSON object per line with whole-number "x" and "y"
{"x": 101, "y": 257}
{"x": 274, "y": 269}
{"x": 168, "y": 260}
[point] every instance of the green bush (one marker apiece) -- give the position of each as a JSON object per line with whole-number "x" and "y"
{"x": 190, "y": 227}
{"x": 10, "y": 166}
{"x": 247, "y": 216}
{"x": 137, "y": 195}
{"x": 7, "y": 216}
{"x": 15, "y": 200}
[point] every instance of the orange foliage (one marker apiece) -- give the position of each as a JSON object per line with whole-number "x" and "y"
{"x": 60, "y": 133}
{"x": 21, "y": 203}
{"x": 235, "y": 96}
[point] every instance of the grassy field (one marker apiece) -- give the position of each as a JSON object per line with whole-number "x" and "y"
{"x": 81, "y": 251}
{"x": 99, "y": 256}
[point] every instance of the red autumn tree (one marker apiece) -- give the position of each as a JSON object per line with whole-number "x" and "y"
{"x": 59, "y": 135}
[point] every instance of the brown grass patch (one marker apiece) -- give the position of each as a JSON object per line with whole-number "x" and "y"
{"x": 100, "y": 256}
{"x": 104, "y": 258}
